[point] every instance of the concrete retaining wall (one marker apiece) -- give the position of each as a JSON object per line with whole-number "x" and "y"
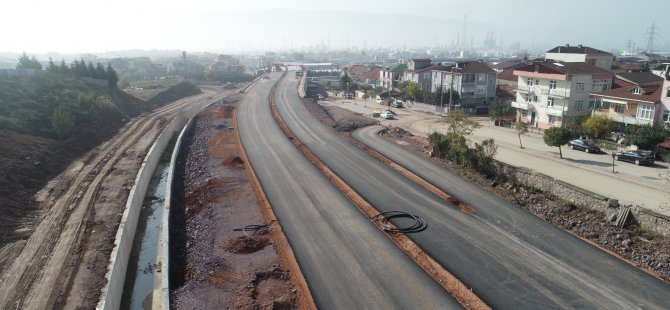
{"x": 112, "y": 292}
{"x": 647, "y": 219}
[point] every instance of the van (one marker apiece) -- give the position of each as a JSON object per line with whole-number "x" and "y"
{"x": 379, "y": 100}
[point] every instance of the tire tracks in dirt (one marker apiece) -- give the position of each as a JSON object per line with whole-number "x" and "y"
{"x": 44, "y": 268}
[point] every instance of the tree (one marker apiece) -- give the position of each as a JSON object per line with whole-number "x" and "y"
{"x": 644, "y": 136}
{"x": 63, "y": 68}
{"x": 455, "y": 97}
{"x": 63, "y": 122}
{"x": 598, "y": 126}
{"x": 345, "y": 80}
{"x": 498, "y": 109}
{"x": 557, "y": 136}
{"x": 414, "y": 92}
{"x": 520, "y": 129}
{"x": 52, "y": 67}
{"x": 26, "y": 62}
{"x": 366, "y": 96}
{"x": 459, "y": 124}
{"x": 112, "y": 77}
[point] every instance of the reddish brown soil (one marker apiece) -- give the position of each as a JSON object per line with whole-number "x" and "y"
{"x": 214, "y": 267}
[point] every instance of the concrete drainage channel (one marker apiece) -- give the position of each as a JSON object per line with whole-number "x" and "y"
{"x": 112, "y": 293}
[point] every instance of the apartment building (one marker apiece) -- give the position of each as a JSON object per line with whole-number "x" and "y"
{"x": 390, "y": 77}
{"x": 580, "y": 53}
{"x": 419, "y": 71}
{"x": 636, "y": 104}
{"x": 665, "y": 98}
{"x": 549, "y": 93}
{"x": 474, "y": 81}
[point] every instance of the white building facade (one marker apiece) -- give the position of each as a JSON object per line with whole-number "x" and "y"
{"x": 548, "y": 94}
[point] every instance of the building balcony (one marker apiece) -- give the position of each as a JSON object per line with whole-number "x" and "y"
{"x": 555, "y": 110}
{"x": 520, "y": 105}
{"x": 625, "y": 119}
{"x": 559, "y": 93}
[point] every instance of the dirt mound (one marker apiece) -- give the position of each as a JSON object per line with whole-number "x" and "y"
{"x": 398, "y": 132}
{"x": 342, "y": 120}
{"x": 179, "y": 91}
{"x": 245, "y": 245}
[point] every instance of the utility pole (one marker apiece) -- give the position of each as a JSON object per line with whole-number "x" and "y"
{"x": 451, "y": 90}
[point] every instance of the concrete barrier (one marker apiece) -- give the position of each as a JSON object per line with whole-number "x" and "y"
{"x": 111, "y": 294}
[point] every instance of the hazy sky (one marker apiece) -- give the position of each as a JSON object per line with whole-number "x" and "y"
{"x": 77, "y": 26}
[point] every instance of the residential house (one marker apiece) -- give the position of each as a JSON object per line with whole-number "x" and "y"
{"x": 580, "y": 53}
{"x": 474, "y": 81}
{"x": 665, "y": 97}
{"x": 226, "y": 63}
{"x": 390, "y": 77}
{"x": 422, "y": 76}
{"x": 550, "y": 93}
{"x": 637, "y": 101}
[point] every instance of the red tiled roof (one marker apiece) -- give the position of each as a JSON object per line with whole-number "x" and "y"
{"x": 507, "y": 75}
{"x": 505, "y": 92}
{"x": 650, "y": 93}
{"x": 564, "y": 68}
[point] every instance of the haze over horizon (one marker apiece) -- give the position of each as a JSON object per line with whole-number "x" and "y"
{"x": 74, "y": 26}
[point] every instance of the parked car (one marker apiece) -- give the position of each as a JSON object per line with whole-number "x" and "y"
{"x": 397, "y": 103}
{"x": 387, "y": 114}
{"x": 583, "y": 145}
{"x": 638, "y": 157}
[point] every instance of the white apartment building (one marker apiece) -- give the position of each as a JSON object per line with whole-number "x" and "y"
{"x": 580, "y": 53}
{"x": 550, "y": 93}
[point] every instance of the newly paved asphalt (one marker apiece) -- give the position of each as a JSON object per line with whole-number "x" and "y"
{"x": 511, "y": 259}
{"x": 347, "y": 262}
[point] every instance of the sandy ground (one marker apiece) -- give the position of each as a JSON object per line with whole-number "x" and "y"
{"x": 214, "y": 266}
{"x": 644, "y": 186}
{"x": 648, "y": 251}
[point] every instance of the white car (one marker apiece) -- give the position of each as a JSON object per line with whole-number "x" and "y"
{"x": 387, "y": 114}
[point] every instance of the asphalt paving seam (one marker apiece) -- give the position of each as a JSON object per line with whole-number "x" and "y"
{"x": 305, "y": 298}
{"x": 451, "y": 283}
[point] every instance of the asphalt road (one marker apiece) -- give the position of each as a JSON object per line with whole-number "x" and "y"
{"x": 510, "y": 259}
{"x": 347, "y": 262}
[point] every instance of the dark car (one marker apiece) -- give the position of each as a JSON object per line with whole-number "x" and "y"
{"x": 582, "y": 145}
{"x": 638, "y": 157}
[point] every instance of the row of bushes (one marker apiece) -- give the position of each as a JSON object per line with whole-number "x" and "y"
{"x": 454, "y": 147}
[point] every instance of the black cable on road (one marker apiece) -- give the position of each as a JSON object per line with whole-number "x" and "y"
{"x": 384, "y": 218}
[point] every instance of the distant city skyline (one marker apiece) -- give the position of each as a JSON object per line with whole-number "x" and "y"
{"x": 73, "y": 26}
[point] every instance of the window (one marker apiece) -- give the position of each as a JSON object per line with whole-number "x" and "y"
{"x": 579, "y": 87}
{"x": 645, "y": 111}
{"x": 552, "y": 119}
{"x": 666, "y": 117}
{"x": 637, "y": 91}
{"x": 534, "y": 98}
{"x": 481, "y": 77}
{"x": 550, "y": 102}
{"x": 468, "y": 78}
{"x": 552, "y": 84}
{"x": 619, "y": 108}
{"x": 579, "y": 105}
{"x": 524, "y": 113}
{"x": 481, "y": 90}
{"x": 529, "y": 82}
{"x": 667, "y": 92}
{"x": 529, "y": 98}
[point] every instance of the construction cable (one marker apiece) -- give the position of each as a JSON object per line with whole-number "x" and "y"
{"x": 251, "y": 228}
{"x": 384, "y": 218}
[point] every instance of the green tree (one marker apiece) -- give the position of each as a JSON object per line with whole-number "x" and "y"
{"x": 63, "y": 68}
{"x": 520, "y": 129}
{"x": 557, "y": 136}
{"x": 598, "y": 126}
{"x": 52, "y": 67}
{"x": 413, "y": 90}
{"x": 455, "y": 97}
{"x": 91, "y": 71}
{"x": 644, "y": 136}
{"x": 63, "y": 122}
{"x": 26, "y": 62}
{"x": 460, "y": 124}
{"x": 499, "y": 109}
{"x": 112, "y": 77}
{"x": 345, "y": 82}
